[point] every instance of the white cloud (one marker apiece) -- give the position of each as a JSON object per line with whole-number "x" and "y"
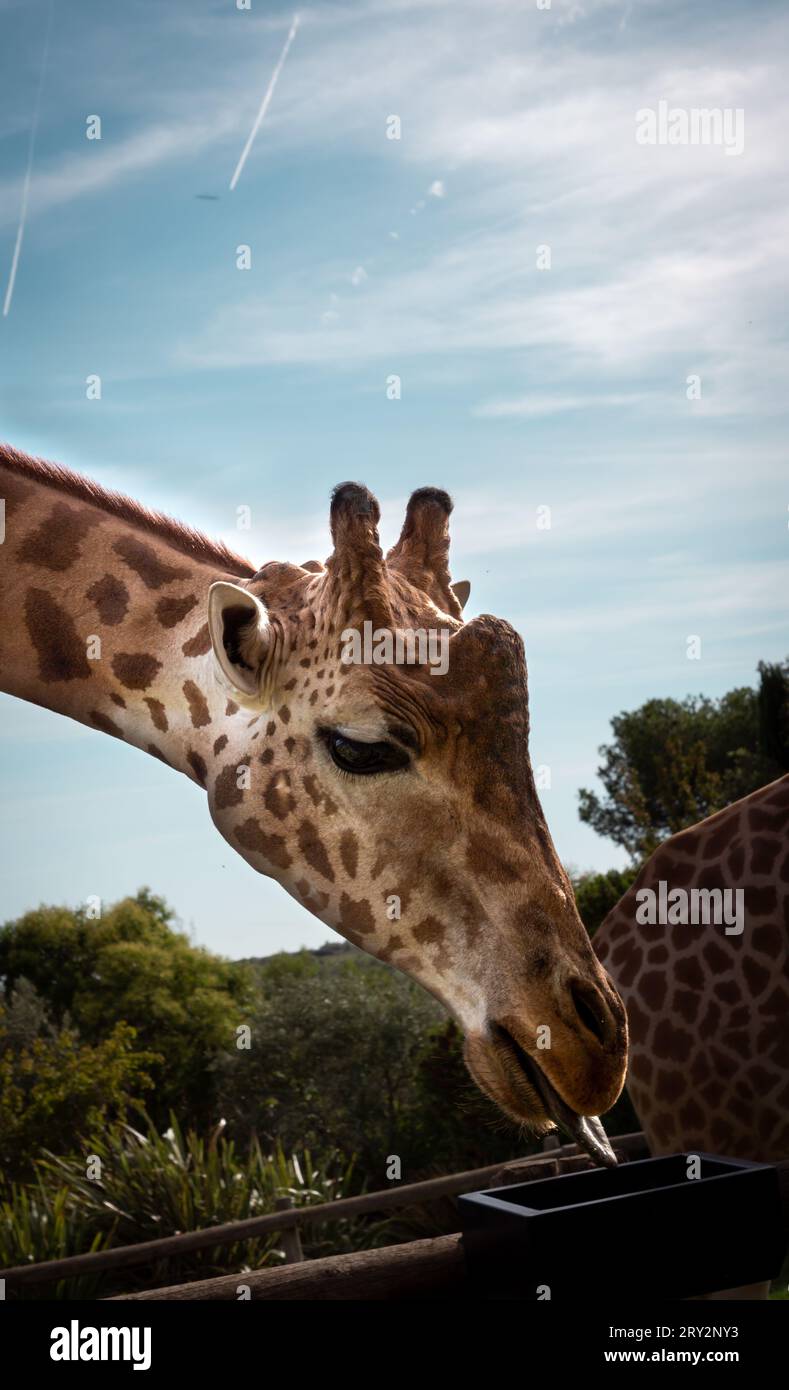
{"x": 665, "y": 261}
{"x": 533, "y": 406}
{"x": 658, "y": 254}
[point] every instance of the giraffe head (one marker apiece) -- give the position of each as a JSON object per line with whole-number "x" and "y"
{"x": 375, "y": 762}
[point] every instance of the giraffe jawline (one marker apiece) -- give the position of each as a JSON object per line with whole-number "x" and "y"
{"x": 585, "y": 1130}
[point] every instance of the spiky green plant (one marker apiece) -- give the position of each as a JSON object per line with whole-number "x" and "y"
{"x": 42, "y": 1221}
{"x": 147, "y": 1185}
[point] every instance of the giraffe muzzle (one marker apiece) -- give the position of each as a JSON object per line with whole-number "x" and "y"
{"x": 585, "y": 1130}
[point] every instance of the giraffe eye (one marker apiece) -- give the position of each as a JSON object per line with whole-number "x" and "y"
{"x": 363, "y": 759}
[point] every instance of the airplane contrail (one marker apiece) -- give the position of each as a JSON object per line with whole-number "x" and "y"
{"x": 266, "y": 102}
{"x": 28, "y": 172}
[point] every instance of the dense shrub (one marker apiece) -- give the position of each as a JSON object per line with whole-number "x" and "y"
{"x": 54, "y": 1087}
{"x": 131, "y": 967}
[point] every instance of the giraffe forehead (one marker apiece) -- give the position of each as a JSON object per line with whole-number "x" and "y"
{"x": 480, "y": 703}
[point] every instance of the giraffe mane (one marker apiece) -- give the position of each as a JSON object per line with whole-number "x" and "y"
{"x": 176, "y": 533}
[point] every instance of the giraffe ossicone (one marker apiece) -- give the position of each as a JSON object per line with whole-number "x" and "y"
{"x": 352, "y": 785}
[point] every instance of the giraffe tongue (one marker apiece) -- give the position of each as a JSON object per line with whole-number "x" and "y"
{"x": 588, "y": 1133}
{"x": 586, "y": 1130}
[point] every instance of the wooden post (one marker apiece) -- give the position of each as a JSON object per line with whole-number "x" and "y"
{"x": 291, "y": 1237}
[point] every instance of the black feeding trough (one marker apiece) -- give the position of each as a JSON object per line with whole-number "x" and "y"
{"x": 659, "y": 1228}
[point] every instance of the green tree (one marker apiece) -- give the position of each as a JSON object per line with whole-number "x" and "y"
{"x": 673, "y": 762}
{"x": 131, "y": 966}
{"x": 56, "y": 1089}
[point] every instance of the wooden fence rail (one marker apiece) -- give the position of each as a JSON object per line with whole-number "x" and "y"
{"x": 390, "y": 1199}
{"x": 419, "y": 1269}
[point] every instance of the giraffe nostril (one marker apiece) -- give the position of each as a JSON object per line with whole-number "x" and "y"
{"x": 591, "y": 1009}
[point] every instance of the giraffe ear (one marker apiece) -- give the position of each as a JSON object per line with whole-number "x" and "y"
{"x": 240, "y": 635}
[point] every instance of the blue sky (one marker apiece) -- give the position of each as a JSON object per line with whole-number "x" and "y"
{"x": 521, "y": 387}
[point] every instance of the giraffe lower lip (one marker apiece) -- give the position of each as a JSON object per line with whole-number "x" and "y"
{"x": 585, "y": 1130}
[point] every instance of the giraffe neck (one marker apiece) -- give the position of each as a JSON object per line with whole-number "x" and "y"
{"x": 103, "y": 616}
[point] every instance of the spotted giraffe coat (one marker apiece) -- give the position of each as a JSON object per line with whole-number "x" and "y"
{"x": 709, "y": 1011}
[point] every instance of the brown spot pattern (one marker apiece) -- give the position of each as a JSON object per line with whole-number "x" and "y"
{"x": 198, "y": 646}
{"x": 430, "y": 931}
{"x": 171, "y": 611}
{"x": 147, "y": 564}
{"x": 226, "y": 789}
{"x": 111, "y": 598}
{"x": 356, "y": 917}
{"x": 136, "y": 670}
{"x": 60, "y": 651}
{"x": 278, "y": 797}
{"x": 198, "y": 766}
{"x": 273, "y": 848}
{"x": 103, "y": 722}
{"x": 349, "y": 852}
{"x": 199, "y": 712}
{"x": 56, "y": 544}
{"x": 158, "y": 713}
{"x": 314, "y": 850}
